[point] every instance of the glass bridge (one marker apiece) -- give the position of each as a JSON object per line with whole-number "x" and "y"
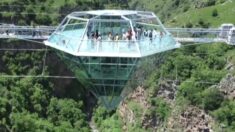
{"x": 112, "y": 33}
{"x": 103, "y": 47}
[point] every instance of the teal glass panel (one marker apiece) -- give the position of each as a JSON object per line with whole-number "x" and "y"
{"x": 68, "y": 37}
{"x": 106, "y": 77}
{"x": 108, "y": 37}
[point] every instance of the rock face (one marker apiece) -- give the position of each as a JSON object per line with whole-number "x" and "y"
{"x": 227, "y": 86}
{"x": 167, "y": 90}
{"x": 126, "y": 113}
{"x": 191, "y": 119}
{"x": 138, "y": 96}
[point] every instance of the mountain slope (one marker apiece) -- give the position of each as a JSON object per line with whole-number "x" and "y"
{"x": 225, "y": 14}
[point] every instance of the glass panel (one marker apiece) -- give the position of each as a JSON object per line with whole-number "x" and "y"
{"x": 63, "y": 23}
{"x": 153, "y": 38}
{"x": 69, "y": 36}
{"x": 75, "y": 24}
{"x": 109, "y": 37}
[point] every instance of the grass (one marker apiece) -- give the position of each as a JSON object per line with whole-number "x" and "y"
{"x": 226, "y": 13}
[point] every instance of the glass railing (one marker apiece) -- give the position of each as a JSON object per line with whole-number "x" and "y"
{"x": 143, "y": 46}
{"x": 63, "y": 42}
{"x": 157, "y": 44}
{"x": 105, "y": 46}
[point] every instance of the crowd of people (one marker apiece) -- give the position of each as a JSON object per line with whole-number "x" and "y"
{"x": 129, "y": 35}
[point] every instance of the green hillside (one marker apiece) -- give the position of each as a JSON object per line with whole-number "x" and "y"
{"x": 225, "y": 14}
{"x": 191, "y": 75}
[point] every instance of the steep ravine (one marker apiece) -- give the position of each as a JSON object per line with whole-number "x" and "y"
{"x": 183, "y": 117}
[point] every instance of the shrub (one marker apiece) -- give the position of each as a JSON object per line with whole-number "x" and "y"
{"x": 203, "y": 24}
{"x": 163, "y": 109}
{"x": 189, "y": 25}
{"x": 215, "y": 13}
{"x": 186, "y": 8}
{"x": 222, "y": 1}
{"x": 212, "y": 99}
{"x": 226, "y": 113}
{"x": 211, "y": 2}
{"x": 191, "y": 91}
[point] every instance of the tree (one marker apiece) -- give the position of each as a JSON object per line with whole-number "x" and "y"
{"x": 226, "y": 113}
{"x": 191, "y": 91}
{"x": 189, "y": 25}
{"x": 66, "y": 110}
{"x": 215, "y": 13}
{"x": 212, "y": 98}
{"x": 211, "y": 2}
{"x": 22, "y": 122}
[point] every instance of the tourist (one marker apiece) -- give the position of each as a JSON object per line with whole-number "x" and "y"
{"x": 7, "y": 32}
{"x": 134, "y": 34}
{"x": 96, "y": 34}
{"x": 129, "y": 37}
{"x": 138, "y": 33}
{"x": 93, "y": 40}
{"x": 145, "y": 33}
{"x": 99, "y": 42}
{"x": 151, "y": 36}
{"x": 89, "y": 28}
{"x": 155, "y": 34}
{"x": 161, "y": 35}
{"x": 110, "y": 37}
{"x": 124, "y": 35}
{"x": 116, "y": 37}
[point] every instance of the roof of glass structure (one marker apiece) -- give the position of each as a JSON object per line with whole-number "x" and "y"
{"x": 108, "y": 12}
{"x": 112, "y": 33}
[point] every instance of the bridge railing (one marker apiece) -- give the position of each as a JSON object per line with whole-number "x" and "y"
{"x": 63, "y": 42}
{"x": 142, "y": 47}
{"x": 189, "y": 33}
{"x": 199, "y": 34}
{"x": 26, "y": 31}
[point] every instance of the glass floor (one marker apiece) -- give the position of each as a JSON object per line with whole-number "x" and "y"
{"x": 74, "y": 42}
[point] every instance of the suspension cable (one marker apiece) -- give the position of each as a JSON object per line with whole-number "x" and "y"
{"x": 37, "y": 76}
{"x": 35, "y": 13}
{"x": 6, "y": 49}
{"x": 29, "y": 40}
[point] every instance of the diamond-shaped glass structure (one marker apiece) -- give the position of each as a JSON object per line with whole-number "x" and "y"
{"x": 106, "y": 46}
{"x": 112, "y": 33}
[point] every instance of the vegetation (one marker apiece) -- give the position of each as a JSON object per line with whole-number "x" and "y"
{"x": 107, "y": 120}
{"x": 29, "y": 104}
{"x": 215, "y": 15}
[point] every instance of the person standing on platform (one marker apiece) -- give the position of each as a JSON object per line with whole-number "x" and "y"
{"x": 99, "y": 44}
{"x": 93, "y": 40}
{"x": 110, "y": 39}
{"x": 151, "y": 36}
{"x": 116, "y": 40}
{"x": 129, "y": 36}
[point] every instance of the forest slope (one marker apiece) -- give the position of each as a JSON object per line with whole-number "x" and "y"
{"x": 168, "y": 83}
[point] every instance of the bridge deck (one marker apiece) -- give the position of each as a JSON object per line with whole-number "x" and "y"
{"x": 122, "y": 48}
{"x": 110, "y": 48}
